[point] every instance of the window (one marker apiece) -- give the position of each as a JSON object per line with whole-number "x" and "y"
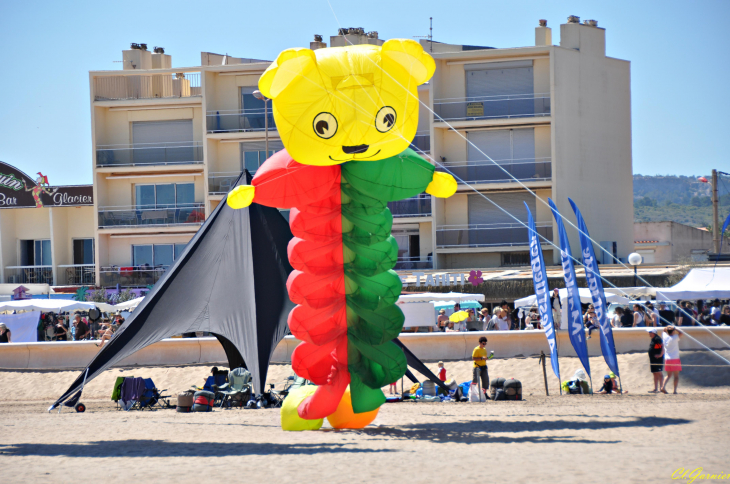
{"x": 515, "y": 258}
{"x": 156, "y": 255}
{"x": 502, "y": 88}
{"x": 35, "y": 253}
{"x": 513, "y": 149}
{"x": 83, "y": 251}
{"x": 253, "y": 154}
{"x": 163, "y": 142}
{"x": 252, "y": 110}
{"x": 164, "y": 195}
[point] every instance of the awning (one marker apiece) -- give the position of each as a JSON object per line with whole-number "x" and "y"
{"x": 46, "y": 305}
{"x": 439, "y": 296}
{"x": 125, "y": 306}
{"x": 585, "y": 298}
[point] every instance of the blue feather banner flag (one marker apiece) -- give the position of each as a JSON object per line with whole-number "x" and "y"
{"x": 575, "y": 318}
{"x": 593, "y": 277}
{"x": 539, "y": 277}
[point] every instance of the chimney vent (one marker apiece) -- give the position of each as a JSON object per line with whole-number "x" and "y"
{"x": 573, "y": 19}
{"x": 159, "y": 50}
{"x": 317, "y": 38}
{"x": 543, "y": 22}
{"x": 591, "y": 23}
{"x": 372, "y": 35}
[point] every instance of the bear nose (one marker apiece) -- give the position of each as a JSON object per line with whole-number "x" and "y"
{"x": 355, "y": 149}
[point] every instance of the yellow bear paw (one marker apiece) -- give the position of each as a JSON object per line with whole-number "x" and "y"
{"x": 241, "y": 196}
{"x": 443, "y": 185}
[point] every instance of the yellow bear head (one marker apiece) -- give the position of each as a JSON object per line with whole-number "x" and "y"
{"x": 347, "y": 103}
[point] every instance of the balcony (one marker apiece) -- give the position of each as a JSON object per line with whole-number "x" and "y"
{"x": 147, "y": 86}
{"x": 413, "y": 263}
{"x": 76, "y": 275}
{"x": 238, "y": 121}
{"x": 146, "y": 154}
{"x": 418, "y": 206}
{"x": 488, "y": 235}
{"x": 130, "y": 275}
{"x": 29, "y": 274}
{"x": 220, "y": 183}
{"x": 499, "y": 171}
{"x": 492, "y": 107}
{"x": 139, "y": 216}
{"x": 421, "y": 143}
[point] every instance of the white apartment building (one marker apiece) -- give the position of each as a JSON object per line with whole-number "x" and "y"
{"x": 168, "y": 143}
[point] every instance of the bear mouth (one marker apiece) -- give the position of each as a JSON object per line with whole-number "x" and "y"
{"x": 353, "y": 158}
{"x": 349, "y": 150}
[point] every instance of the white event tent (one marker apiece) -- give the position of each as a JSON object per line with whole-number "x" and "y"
{"x": 46, "y": 305}
{"x": 420, "y": 309}
{"x": 125, "y": 306}
{"x": 704, "y": 283}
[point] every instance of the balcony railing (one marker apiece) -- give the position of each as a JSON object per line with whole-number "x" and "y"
{"x": 499, "y": 171}
{"x": 413, "y": 263}
{"x": 147, "y": 86}
{"x": 221, "y": 183}
{"x": 238, "y": 120}
{"x": 29, "y": 274}
{"x": 130, "y": 275}
{"x": 418, "y": 206}
{"x": 488, "y": 235}
{"x": 488, "y": 107}
{"x": 140, "y": 216}
{"x": 76, "y": 274}
{"x": 145, "y": 154}
{"x": 421, "y": 143}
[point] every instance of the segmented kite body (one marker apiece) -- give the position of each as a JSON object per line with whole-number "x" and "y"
{"x": 343, "y": 283}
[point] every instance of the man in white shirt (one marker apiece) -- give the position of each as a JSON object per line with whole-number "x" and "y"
{"x": 503, "y": 322}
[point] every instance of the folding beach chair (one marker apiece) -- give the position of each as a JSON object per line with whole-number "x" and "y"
{"x": 152, "y": 397}
{"x": 239, "y": 382}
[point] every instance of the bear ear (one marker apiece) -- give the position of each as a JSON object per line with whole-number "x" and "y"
{"x": 410, "y": 55}
{"x": 288, "y": 67}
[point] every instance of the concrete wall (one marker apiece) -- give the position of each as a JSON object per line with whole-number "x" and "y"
{"x": 676, "y": 241}
{"x": 591, "y": 110}
{"x": 426, "y": 346}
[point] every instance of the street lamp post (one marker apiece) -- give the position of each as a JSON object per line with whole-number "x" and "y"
{"x": 257, "y": 94}
{"x": 635, "y": 260}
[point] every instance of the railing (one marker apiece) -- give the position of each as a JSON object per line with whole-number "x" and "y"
{"x": 147, "y": 86}
{"x": 413, "y": 263}
{"x": 238, "y": 120}
{"x": 487, "y": 107}
{"x": 136, "y": 216}
{"x": 172, "y": 153}
{"x": 418, "y": 206}
{"x": 130, "y": 275}
{"x": 488, "y": 235}
{"x": 485, "y": 171}
{"x": 222, "y": 182}
{"x": 421, "y": 143}
{"x": 29, "y": 274}
{"x": 76, "y": 274}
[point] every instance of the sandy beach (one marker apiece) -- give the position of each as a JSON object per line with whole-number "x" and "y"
{"x": 637, "y": 437}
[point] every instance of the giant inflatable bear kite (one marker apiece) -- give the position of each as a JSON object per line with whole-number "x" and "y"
{"x": 346, "y": 116}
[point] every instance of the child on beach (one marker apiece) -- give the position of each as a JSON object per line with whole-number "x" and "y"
{"x": 393, "y": 388}
{"x": 442, "y": 371}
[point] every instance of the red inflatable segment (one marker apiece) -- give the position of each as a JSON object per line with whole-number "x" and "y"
{"x": 315, "y": 257}
{"x": 283, "y": 183}
{"x": 328, "y": 396}
{"x": 318, "y": 326}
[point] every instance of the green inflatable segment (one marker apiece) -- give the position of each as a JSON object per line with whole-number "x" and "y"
{"x": 370, "y": 253}
{"x": 391, "y": 179}
{"x": 364, "y": 398}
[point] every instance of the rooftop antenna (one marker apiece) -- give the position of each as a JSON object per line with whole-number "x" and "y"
{"x": 429, "y": 36}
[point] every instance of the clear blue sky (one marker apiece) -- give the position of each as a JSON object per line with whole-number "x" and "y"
{"x": 678, "y": 52}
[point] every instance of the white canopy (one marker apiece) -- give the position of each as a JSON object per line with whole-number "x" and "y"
{"x": 704, "y": 283}
{"x": 46, "y": 305}
{"x": 125, "y": 306}
{"x": 585, "y": 298}
{"x": 439, "y": 296}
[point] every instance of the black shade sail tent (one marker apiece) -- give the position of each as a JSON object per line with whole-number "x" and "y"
{"x": 230, "y": 281}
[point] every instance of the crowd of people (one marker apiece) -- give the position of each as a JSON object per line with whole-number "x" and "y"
{"x": 77, "y": 327}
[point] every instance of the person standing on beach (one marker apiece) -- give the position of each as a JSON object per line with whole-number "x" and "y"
{"x": 672, "y": 363}
{"x": 656, "y": 359}
{"x": 557, "y": 308}
{"x": 479, "y": 356}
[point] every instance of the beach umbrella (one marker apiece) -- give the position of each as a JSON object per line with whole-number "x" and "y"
{"x": 458, "y": 316}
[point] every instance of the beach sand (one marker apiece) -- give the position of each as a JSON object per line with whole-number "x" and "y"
{"x": 639, "y": 437}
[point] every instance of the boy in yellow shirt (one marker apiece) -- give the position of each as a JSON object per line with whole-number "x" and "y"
{"x": 479, "y": 356}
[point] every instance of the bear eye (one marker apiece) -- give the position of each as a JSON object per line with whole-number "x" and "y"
{"x": 385, "y": 119}
{"x": 325, "y": 125}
